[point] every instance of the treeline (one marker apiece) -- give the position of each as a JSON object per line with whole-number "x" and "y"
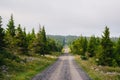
{"x": 70, "y": 39}
{"x": 104, "y": 50}
{"x": 15, "y": 41}
{"x": 65, "y": 40}
{"x": 58, "y": 38}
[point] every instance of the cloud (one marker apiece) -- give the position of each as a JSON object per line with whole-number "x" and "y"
{"x": 65, "y": 17}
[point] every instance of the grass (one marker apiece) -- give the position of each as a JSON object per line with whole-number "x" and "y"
{"x": 27, "y": 69}
{"x": 98, "y": 72}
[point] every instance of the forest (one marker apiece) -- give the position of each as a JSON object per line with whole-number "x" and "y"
{"x": 104, "y": 50}
{"x": 17, "y": 47}
{"x": 22, "y": 52}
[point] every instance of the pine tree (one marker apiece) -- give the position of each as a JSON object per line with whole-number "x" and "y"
{"x": 11, "y": 27}
{"x": 92, "y": 46}
{"x": 43, "y": 35}
{"x": 33, "y": 33}
{"x": 39, "y": 45}
{"x": 2, "y": 34}
{"x": 80, "y": 46}
{"x": 43, "y": 40}
{"x": 106, "y": 57}
{"x": 10, "y": 34}
{"x": 85, "y": 45}
{"x": 20, "y": 40}
{"x": 32, "y": 42}
{"x": 51, "y": 45}
{"x": 117, "y": 52}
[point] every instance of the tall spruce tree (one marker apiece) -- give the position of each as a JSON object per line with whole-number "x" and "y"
{"x": 32, "y": 40}
{"x": 33, "y": 33}
{"x": 79, "y": 46}
{"x": 11, "y": 27}
{"x": 43, "y": 35}
{"x": 92, "y": 46}
{"x": 43, "y": 41}
{"x": 10, "y": 34}
{"x": 117, "y": 52}
{"x": 2, "y": 34}
{"x": 85, "y": 43}
{"x": 39, "y": 44}
{"x": 20, "y": 40}
{"x": 106, "y": 57}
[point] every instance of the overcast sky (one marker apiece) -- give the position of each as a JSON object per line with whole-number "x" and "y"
{"x": 64, "y": 17}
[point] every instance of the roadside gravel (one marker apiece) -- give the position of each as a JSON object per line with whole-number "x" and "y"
{"x": 65, "y": 68}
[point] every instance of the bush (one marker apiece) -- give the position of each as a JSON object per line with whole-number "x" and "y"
{"x": 83, "y": 57}
{"x": 114, "y": 63}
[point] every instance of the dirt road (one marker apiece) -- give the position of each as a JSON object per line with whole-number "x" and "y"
{"x": 65, "y": 68}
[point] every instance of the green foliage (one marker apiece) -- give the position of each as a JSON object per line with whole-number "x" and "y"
{"x": 2, "y": 35}
{"x": 59, "y": 39}
{"x": 105, "y": 50}
{"x": 98, "y": 72}
{"x": 117, "y": 52}
{"x": 79, "y": 46}
{"x": 69, "y": 39}
{"x": 93, "y": 45}
{"x": 83, "y": 57}
{"x": 10, "y": 35}
{"x": 51, "y": 45}
{"x": 31, "y": 38}
{"x": 28, "y": 70}
{"x": 39, "y": 44}
{"x": 11, "y": 27}
{"x": 20, "y": 40}
{"x": 107, "y": 55}
{"x": 15, "y": 42}
{"x": 6, "y": 57}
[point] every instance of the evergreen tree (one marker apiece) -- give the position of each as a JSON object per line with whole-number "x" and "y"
{"x": 32, "y": 42}
{"x": 85, "y": 45}
{"x": 92, "y": 46}
{"x": 106, "y": 57}
{"x": 79, "y": 46}
{"x": 51, "y": 45}
{"x": 33, "y": 33}
{"x": 117, "y": 52}
{"x": 24, "y": 31}
{"x": 74, "y": 47}
{"x": 43, "y": 35}
{"x": 39, "y": 45}
{"x": 20, "y": 40}
{"x": 10, "y": 34}
{"x": 43, "y": 41}
{"x": 2, "y": 34}
{"x": 11, "y": 27}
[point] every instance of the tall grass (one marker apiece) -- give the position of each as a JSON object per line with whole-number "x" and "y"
{"x": 98, "y": 72}
{"x": 28, "y": 68}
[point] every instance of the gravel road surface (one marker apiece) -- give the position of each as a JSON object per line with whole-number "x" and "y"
{"x": 65, "y": 68}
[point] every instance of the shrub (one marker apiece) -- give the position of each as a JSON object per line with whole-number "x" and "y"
{"x": 83, "y": 57}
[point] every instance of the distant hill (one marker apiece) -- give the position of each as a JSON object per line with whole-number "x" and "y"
{"x": 58, "y": 38}
{"x": 70, "y": 38}
{"x": 63, "y": 39}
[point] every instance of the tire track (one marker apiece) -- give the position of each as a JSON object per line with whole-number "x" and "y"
{"x": 65, "y": 68}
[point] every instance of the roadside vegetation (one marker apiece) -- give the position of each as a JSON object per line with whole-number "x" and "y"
{"x": 27, "y": 69}
{"x": 98, "y": 72}
{"x": 22, "y": 54}
{"x": 99, "y": 56}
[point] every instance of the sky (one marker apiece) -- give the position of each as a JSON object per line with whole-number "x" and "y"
{"x": 64, "y": 17}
